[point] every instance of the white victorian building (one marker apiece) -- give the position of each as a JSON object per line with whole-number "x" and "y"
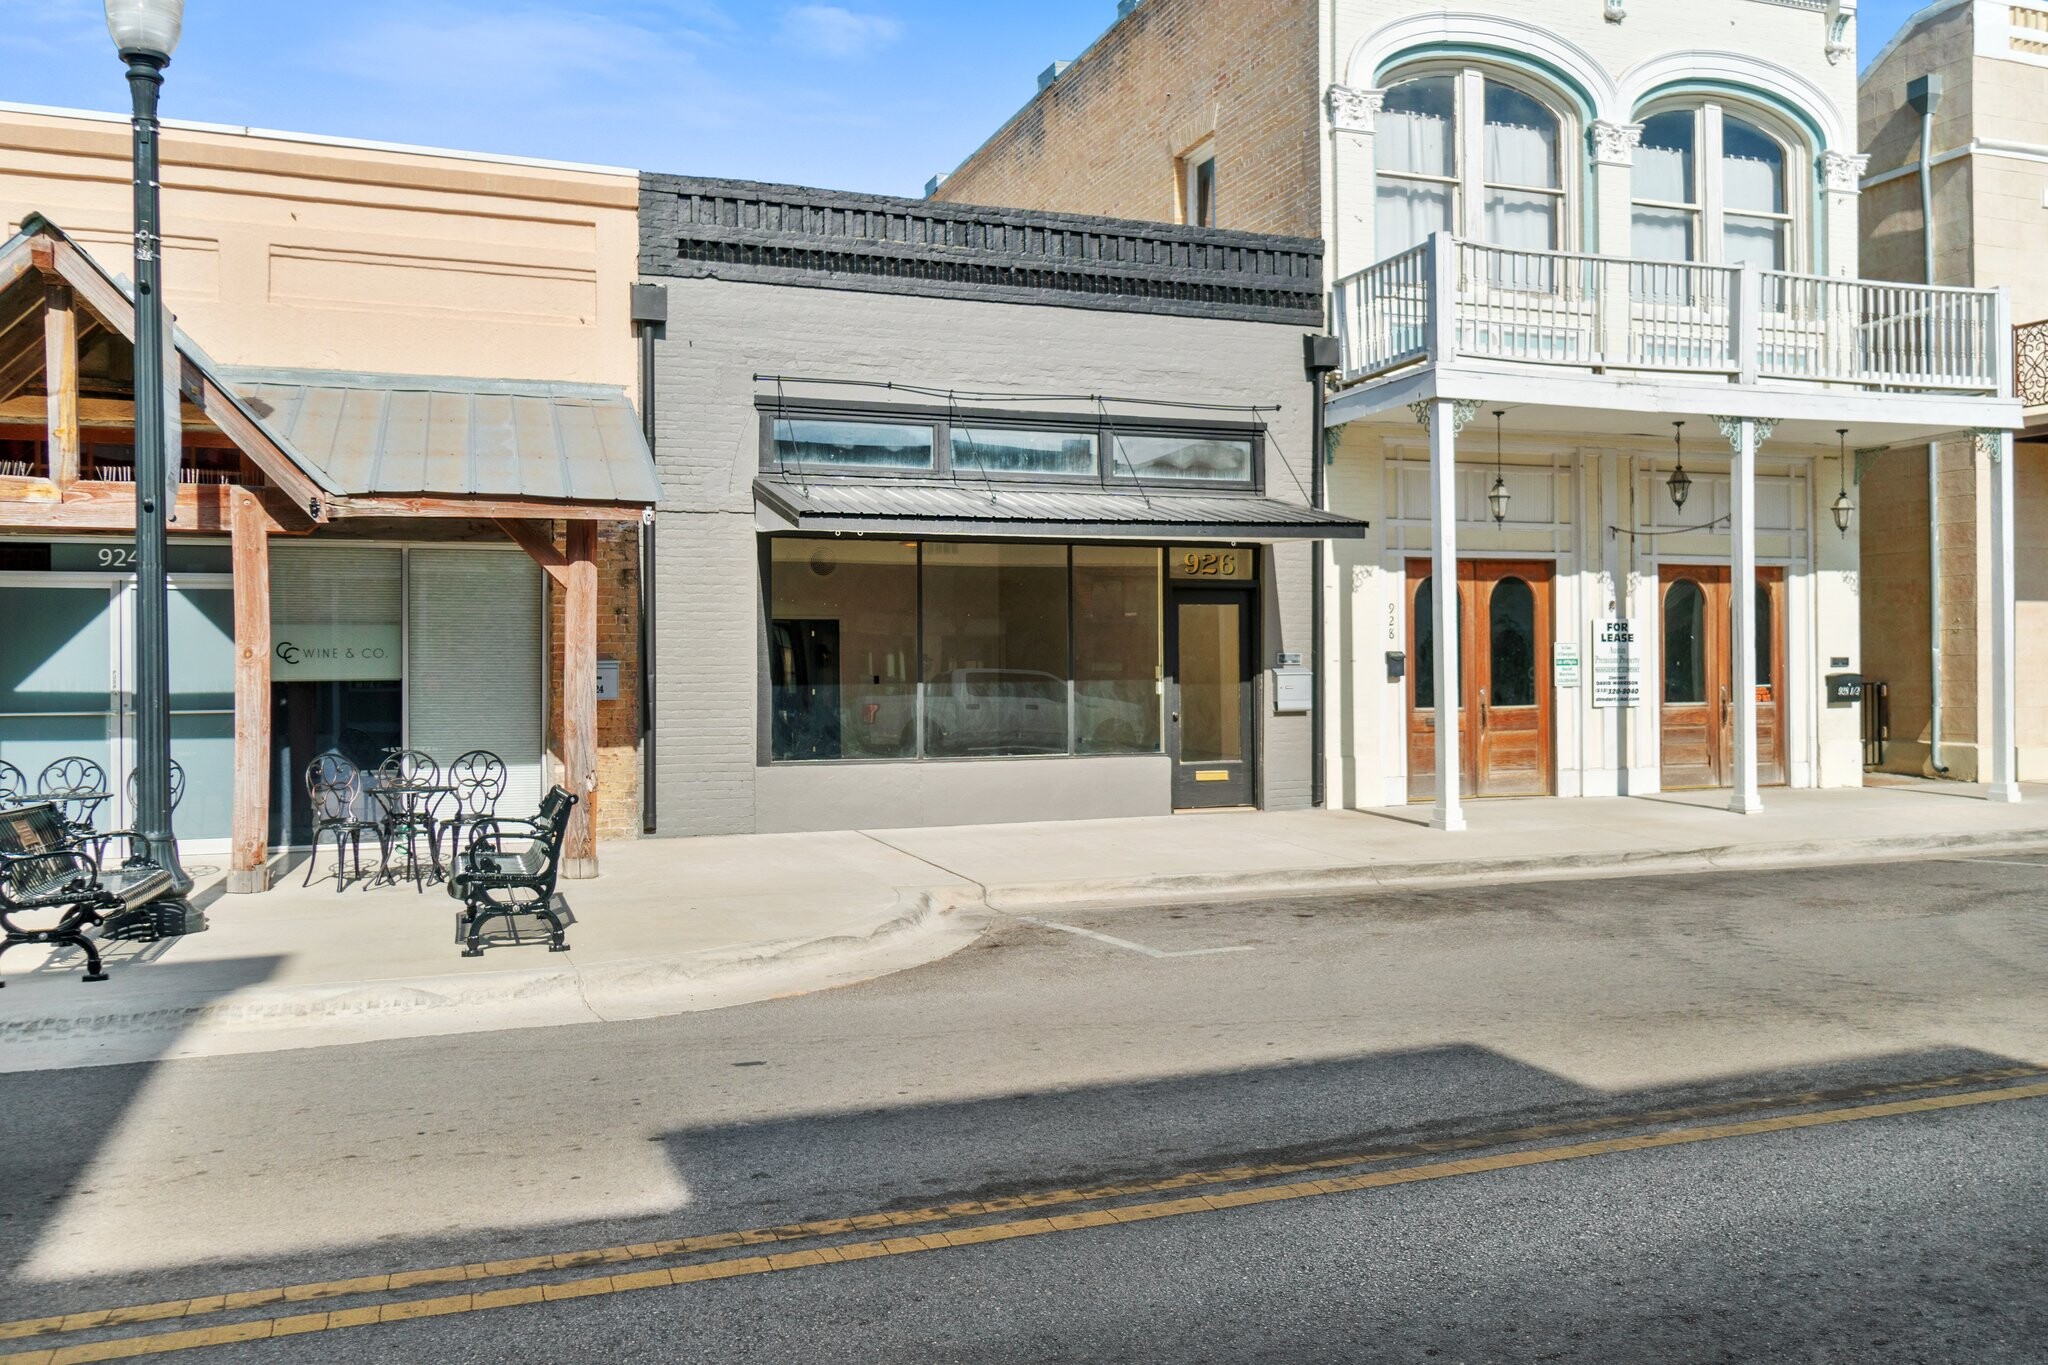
{"x": 1607, "y": 374}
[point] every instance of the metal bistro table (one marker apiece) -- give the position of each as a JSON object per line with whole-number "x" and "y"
{"x": 78, "y": 804}
{"x": 409, "y": 816}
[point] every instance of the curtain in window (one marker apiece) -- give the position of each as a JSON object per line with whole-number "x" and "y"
{"x": 1407, "y": 212}
{"x": 1663, "y": 173}
{"x": 1749, "y": 183}
{"x": 1406, "y": 140}
{"x": 1662, "y": 235}
{"x": 1517, "y": 155}
{"x": 1521, "y": 221}
{"x": 1751, "y": 241}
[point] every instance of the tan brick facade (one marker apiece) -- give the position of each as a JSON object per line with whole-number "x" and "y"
{"x": 618, "y": 637}
{"x": 1234, "y": 76}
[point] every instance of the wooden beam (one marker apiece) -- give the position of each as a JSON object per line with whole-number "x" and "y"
{"x": 17, "y": 368}
{"x": 579, "y": 699}
{"x": 251, "y": 525}
{"x": 60, "y": 381}
{"x": 28, "y": 488}
{"x": 91, "y": 506}
{"x": 514, "y": 509}
{"x": 537, "y": 538}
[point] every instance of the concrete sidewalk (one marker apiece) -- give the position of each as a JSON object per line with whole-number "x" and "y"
{"x": 690, "y": 924}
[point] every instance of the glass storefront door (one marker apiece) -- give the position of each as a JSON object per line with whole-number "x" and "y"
{"x": 1212, "y": 722}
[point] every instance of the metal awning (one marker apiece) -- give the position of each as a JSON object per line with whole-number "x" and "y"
{"x": 957, "y": 508}
{"x": 396, "y": 435}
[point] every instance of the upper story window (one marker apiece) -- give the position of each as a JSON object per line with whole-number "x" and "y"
{"x": 1198, "y": 187}
{"x": 1467, "y": 153}
{"x": 1711, "y": 186}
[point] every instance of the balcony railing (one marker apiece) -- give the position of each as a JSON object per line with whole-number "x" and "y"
{"x": 1450, "y": 300}
{"x": 2030, "y": 363}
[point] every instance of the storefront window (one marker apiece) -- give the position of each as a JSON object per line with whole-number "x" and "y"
{"x": 1116, "y": 650}
{"x": 842, "y": 646}
{"x": 1205, "y": 459}
{"x": 1024, "y": 649}
{"x": 995, "y": 648}
{"x": 811, "y": 443}
{"x": 983, "y": 451}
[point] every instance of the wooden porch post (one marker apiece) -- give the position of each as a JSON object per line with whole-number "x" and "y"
{"x": 250, "y": 525}
{"x": 579, "y": 698}
{"x": 60, "y": 367}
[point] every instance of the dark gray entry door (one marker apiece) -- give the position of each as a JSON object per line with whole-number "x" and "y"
{"x": 1214, "y": 744}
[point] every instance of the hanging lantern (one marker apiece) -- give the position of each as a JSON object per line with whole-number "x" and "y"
{"x": 1680, "y": 482}
{"x": 1843, "y": 508}
{"x": 1498, "y": 496}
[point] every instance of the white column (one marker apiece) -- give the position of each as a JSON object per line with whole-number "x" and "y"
{"x": 1351, "y": 115}
{"x": 1445, "y": 418}
{"x": 1745, "y": 435}
{"x": 2002, "y": 781}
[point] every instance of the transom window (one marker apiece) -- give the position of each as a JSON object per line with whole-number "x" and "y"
{"x": 1464, "y": 152}
{"x": 983, "y": 446}
{"x": 1710, "y": 186}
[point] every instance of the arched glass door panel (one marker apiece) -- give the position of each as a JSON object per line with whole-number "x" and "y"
{"x": 1424, "y": 628}
{"x": 1765, "y": 635}
{"x": 1512, "y": 635}
{"x": 1685, "y": 644}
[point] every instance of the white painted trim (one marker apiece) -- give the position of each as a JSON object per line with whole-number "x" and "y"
{"x": 322, "y": 140}
{"x": 1993, "y": 147}
{"x": 1491, "y": 30}
{"x": 1739, "y": 68}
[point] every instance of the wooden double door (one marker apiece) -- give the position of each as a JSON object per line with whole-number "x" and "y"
{"x": 1505, "y": 703}
{"x": 1697, "y": 704}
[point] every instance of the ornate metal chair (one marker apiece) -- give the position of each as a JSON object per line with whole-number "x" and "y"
{"x": 14, "y": 786}
{"x": 476, "y": 783}
{"x": 335, "y": 787}
{"x": 409, "y": 787}
{"x": 77, "y": 787}
{"x": 177, "y": 786}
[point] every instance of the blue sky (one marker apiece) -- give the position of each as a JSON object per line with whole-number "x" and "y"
{"x": 856, "y": 94}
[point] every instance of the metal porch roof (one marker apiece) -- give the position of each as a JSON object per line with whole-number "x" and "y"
{"x": 898, "y": 507}
{"x": 449, "y": 437}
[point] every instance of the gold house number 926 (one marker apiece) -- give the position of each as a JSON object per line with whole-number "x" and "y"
{"x": 1216, "y": 564}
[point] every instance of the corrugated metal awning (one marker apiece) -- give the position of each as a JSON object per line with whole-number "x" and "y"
{"x": 897, "y": 507}
{"x": 447, "y": 437}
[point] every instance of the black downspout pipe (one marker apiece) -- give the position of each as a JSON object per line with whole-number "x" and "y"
{"x": 650, "y": 315}
{"x": 1319, "y": 357}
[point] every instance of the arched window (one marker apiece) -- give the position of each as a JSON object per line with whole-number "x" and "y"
{"x": 1710, "y": 185}
{"x": 1505, "y": 186}
{"x": 1513, "y": 642}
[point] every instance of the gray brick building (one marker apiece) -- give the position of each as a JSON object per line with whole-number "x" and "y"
{"x": 974, "y": 514}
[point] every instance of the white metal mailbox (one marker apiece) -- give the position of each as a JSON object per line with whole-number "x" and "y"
{"x": 1294, "y": 691}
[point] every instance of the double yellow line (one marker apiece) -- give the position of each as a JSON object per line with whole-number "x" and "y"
{"x": 482, "y": 1300}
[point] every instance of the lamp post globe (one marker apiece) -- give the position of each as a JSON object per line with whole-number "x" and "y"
{"x": 145, "y": 33}
{"x": 146, "y": 26}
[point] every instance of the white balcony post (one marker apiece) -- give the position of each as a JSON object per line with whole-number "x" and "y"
{"x": 2003, "y": 779}
{"x": 2002, "y": 341}
{"x": 1614, "y": 148}
{"x": 1445, "y": 419}
{"x": 1748, "y": 330}
{"x": 1745, "y": 435}
{"x": 1443, "y": 297}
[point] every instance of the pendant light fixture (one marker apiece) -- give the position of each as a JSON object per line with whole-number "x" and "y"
{"x": 1498, "y": 496}
{"x": 1843, "y": 508}
{"x": 1680, "y": 482}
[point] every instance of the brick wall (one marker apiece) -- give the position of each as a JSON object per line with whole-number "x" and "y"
{"x": 1104, "y": 138}
{"x": 618, "y": 637}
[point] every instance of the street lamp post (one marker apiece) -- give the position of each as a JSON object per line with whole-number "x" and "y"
{"x": 145, "y": 33}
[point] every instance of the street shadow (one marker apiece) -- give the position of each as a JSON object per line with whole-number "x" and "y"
{"x": 54, "y": 1123}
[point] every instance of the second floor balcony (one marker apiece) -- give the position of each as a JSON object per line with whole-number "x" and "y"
{"x": 1452, "y": 302}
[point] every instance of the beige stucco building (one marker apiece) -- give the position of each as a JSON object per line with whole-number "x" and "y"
{"x": 1987, "y": 179}
{"x": 441, "y": 342}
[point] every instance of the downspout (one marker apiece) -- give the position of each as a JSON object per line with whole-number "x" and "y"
{"x": 1924, "y": 95}
{"x": 650, "y": 316}
{"x": 1320, "y": 355}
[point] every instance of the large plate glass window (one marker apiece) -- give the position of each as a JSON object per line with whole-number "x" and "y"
{"x": 842, "y": 649}
{"x": 995, "y": 649}
{"x": 1117, "y": 642}
{"x": 1714, "y": 187}
{"x": 1504, "y": 186}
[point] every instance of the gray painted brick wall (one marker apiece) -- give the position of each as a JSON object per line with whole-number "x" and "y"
{"x": 722, "y": 333}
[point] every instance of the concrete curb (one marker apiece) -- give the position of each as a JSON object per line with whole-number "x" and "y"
{"x": 631, "y": 985}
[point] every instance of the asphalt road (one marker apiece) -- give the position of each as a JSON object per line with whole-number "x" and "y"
{"x": 1792, "y": 1116}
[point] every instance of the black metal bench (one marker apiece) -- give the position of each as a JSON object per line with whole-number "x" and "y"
{"x": 509, "y": 868}
{"x": 47, "y": 869}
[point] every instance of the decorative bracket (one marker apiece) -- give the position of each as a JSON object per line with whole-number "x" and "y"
{"x": 1463, "y": 410}
{"x": 1617, "y": 10}
{"x": 1989, "y": 442}
{"x": 1353, "y": 110}
{"x": 1614, "y": 144}
{"x": 1842, "y": 173}
{"x": 1731, "y": 429}
{"x": 1841, "y": 13}
{"x": 1865, "y": 457}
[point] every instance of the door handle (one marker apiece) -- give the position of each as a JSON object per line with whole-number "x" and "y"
{"x": 1724, "y": 706}
{"x": 1485, "y": 711}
